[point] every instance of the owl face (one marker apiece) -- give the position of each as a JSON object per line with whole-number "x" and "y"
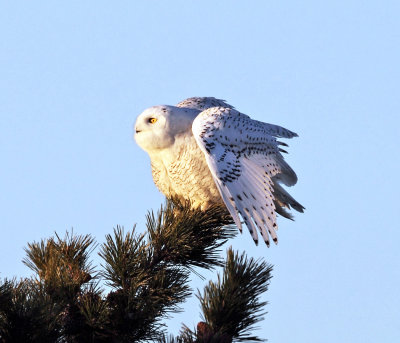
{"x": 157, "y": 127}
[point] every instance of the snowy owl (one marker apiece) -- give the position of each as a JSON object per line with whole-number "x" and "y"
{"x": 205, "y": 151}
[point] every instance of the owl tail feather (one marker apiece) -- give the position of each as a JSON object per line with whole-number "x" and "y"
{"x": 288, "y": 177}
{"x": 284, "y": 199}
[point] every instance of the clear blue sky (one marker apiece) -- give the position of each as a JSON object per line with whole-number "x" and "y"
{"x": 75, "y": 74}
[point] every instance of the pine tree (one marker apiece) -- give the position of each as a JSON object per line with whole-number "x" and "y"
{"x": 148, "y": 276}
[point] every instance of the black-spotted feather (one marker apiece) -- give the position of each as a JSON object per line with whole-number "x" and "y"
{"x": 244, "y": 156}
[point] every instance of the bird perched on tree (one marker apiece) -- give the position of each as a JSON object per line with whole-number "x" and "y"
{"x": 205, "y": 151}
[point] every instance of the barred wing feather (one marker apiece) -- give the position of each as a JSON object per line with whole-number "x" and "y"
{"x": 245, "y": 160}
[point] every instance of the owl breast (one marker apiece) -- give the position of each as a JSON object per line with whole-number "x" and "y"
{"x": 183, "y": 172}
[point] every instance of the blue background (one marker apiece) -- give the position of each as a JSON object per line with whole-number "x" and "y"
{"x": 74, "y": 75}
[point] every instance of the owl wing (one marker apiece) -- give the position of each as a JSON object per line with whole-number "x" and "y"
{"x": 202, "y": 103}
{"x": 244, "y": 156}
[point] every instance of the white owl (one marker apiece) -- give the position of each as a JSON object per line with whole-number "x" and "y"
{"x": 205, "y": 151}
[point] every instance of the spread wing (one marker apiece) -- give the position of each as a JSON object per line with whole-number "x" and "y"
{"x": 245, "y": 160}
{"x": 202, "y": 103}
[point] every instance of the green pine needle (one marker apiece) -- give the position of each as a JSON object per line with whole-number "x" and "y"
{"x": 189, "y": 237}
{"x": 149, "y": 276}
{"x": 232, "y": 304}
{"x": 62, "y": 264}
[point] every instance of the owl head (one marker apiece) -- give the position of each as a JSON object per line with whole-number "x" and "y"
{"x": 157, "y": 126}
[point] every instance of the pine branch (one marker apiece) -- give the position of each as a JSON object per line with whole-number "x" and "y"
{"x": 27, "y": 314}
{"x": 231, "y": 305}
{"x": 150, "y": 272}
{"x": 149, "y": 276}
{"x": 63, "y": 269}
{"x": 123, "y": 255}
{"x": 146, "y": 288}
{"x": 61, "y": 264}
{"x": 189, "y": 237}
{"x": 93, "y": 314}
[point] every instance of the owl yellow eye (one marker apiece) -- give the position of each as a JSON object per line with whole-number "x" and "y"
{"x": 152, "y": 120}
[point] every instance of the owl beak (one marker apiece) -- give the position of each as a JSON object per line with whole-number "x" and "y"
{"x": 137, "y": 131}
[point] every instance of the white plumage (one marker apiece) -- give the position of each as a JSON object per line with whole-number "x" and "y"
{"x": 205, "y": 151}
